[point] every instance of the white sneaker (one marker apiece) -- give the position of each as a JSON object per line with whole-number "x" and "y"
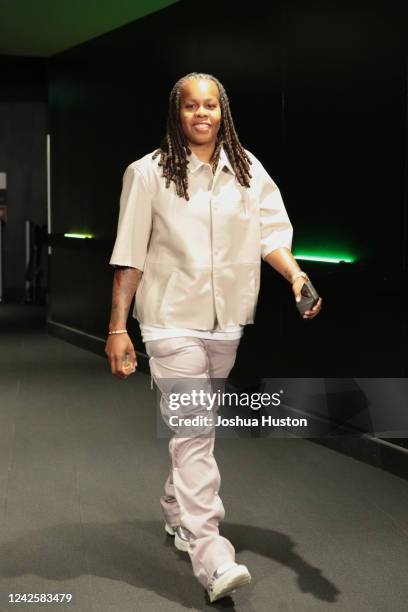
{"x": 226, "y": 579}
{"x": 181, "y": 535}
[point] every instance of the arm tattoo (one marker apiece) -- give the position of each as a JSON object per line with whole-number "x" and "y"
{"x": 125, "y": 283}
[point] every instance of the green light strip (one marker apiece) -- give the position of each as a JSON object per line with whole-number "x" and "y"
{"x": 334, "y": 259}
{"x": 78, "y": 235}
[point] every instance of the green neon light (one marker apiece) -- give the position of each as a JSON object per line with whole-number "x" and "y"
{"x": 324, "y": 258}
{"x": 78, "y": 235}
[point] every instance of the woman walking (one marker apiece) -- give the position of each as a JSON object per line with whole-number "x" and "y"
{"x": 196, "y": 217}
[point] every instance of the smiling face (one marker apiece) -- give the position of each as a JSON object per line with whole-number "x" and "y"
{"x": 200, "y": 111}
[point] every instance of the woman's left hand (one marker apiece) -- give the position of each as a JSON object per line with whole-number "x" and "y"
{"x": 296, "y": 287}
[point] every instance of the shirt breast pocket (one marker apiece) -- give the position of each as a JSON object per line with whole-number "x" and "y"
{"x": 244, "y": 203}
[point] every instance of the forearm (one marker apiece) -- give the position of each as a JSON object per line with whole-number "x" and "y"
{"x": 125, "y": 284}
{"x": 283, "y": 261}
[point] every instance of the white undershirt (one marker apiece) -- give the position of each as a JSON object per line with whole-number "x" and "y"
{"x": 153, "y": 332}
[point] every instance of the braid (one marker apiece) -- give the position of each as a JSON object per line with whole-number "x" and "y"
{"x": 174, "y": 147}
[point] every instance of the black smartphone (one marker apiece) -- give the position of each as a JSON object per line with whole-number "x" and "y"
{"x": 309, "y": 297}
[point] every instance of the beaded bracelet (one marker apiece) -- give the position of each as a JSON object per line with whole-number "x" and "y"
{"x": 118, "y": 331}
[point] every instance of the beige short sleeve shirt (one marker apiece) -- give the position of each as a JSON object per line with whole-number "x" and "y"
{"x": 200, "y": 258}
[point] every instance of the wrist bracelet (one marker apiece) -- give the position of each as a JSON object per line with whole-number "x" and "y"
{"x": 118, "y": 331}
{"x": 300, "y": 273}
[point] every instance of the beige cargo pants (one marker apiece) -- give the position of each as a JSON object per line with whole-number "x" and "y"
{"x": 191, "y": 492}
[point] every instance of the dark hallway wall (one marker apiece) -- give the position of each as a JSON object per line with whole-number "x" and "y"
{"x": 23, "y": 127}
{"x": 318, "y": 94}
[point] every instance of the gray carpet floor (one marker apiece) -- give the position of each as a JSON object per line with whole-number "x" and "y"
{"x": 82, "y": 469}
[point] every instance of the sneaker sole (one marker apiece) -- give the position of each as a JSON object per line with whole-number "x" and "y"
{"x": 181, "y": 544}
{"x": 227, "y": 584}
{"x": 178, "y": 542}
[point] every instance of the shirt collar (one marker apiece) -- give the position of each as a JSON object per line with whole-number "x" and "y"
{"x": 194, "y": 162}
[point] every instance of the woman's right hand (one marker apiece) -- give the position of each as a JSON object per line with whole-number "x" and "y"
{"x": 117, "y": 346}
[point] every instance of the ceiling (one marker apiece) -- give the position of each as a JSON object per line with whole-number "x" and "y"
{"x": 40, "y": 28}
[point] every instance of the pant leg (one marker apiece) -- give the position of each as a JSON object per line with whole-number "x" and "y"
{"x": 165, "y": 364}
{"x": 221, "y": 356}
{"x": 194, "y": 471}
{"x": 168, "y": 500}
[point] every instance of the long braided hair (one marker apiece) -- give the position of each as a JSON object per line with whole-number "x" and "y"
{"x": 174, "y": 147}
